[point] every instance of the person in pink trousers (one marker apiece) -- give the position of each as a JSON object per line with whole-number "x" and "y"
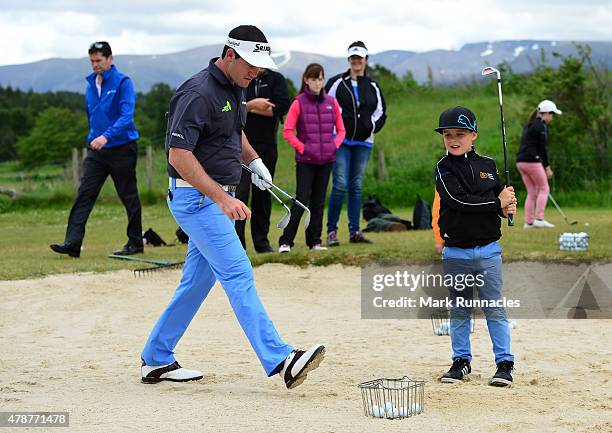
{"x": 532, "y": 163}
{"x": 320, "y": 130}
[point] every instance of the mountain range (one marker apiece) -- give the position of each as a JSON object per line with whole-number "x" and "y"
{"x": 446, "y": 66}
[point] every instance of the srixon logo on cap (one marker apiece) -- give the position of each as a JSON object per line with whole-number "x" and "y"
{"x": 259, "y": 48}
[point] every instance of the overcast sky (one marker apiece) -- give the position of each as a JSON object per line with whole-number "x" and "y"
{"x": 32, "y": 30}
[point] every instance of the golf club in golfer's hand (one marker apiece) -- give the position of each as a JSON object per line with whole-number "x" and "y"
{"x": 285, "y": 220}
{"x": 488, "y": 71}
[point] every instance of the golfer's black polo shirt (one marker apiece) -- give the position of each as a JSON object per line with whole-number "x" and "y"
{"x": 207, "y": 115}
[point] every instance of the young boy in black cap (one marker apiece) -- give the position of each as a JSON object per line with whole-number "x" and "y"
{"x": 471, "y": 204}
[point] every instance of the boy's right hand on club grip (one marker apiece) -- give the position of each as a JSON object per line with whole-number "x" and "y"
{"x": 507, "y": 196}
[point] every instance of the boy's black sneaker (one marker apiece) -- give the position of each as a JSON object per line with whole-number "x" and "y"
{"x": 503, "y": 375}
{"x": 458, "y": 371}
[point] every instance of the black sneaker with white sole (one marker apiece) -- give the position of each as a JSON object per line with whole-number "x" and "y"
{"x": 299, "y": 363}
{"x": 458, "y": 371}
{"x": 171, "y": 372}
{"x": 503, "y": 375}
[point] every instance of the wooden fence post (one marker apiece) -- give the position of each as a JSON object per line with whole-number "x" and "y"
{"x": 382, "y": 175}
{"x": 75, "y": 167}
{"x": 150, "y": 167}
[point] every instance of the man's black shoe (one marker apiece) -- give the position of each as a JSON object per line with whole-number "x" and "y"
{"x": 458, "y": 371}
{"x": 128, "y": 250}
{"x": 503, "y": 375}
{"x": 266, "y": 249}
{"x": 67, "y": 248}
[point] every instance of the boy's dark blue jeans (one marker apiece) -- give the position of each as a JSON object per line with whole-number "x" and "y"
{"x": 485, "y": 265}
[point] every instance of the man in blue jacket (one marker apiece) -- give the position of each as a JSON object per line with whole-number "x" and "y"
{"x": 111, "y": 151}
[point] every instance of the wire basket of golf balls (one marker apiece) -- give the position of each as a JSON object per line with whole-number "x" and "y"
{"x": 440, "y": 322}
{"x": 574, "y": 241}
{"x": 392, "y": 398}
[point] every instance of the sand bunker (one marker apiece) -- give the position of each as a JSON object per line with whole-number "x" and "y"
{"x": 72, "y": 343}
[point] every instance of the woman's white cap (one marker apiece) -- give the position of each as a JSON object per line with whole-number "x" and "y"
{"x": 357, "y": 51}
{"x": 547, "y": 106}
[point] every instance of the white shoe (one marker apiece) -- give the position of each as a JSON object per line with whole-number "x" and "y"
{"x": 299, "y": 363}
{"x": 171, "y": 372}
{"x": 284, "y": 248}
{"x": 318, "y": 247}
{"x": 528, "y": 226}
{"x": 542, "y": 224}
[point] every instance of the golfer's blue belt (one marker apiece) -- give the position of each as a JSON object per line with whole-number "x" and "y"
{"x": 180, "y": 183}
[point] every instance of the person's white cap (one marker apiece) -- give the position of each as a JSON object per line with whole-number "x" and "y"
{"x": 357, "y": 51}
{"x": 547, "y": 106}
{"x": 254, "y": 53}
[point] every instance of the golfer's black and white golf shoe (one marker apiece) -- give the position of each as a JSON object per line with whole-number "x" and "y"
{"x": 503, "y": 375}
{"x": 171, "y": 372}
{"x": 458, "y": 371}
{"x": 299, "y": 363}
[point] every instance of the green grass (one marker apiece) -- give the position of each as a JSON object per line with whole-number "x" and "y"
{"x": 410, "y": 145}
{"x": 38, "y": 216}
{"x": 26, "y": 235}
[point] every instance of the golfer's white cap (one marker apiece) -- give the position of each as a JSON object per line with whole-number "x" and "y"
{"x": 357, "y": 51}
{"x": 254, "y": 53}
{"x": 547, "y": 106}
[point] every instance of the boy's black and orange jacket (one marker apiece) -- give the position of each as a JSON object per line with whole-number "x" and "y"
{"x": 470, "y": 210}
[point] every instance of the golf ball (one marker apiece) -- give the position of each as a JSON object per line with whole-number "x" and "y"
{"x": 443, "y": 329}
{"x": 391, "y": 411}
{"x": 574, "y": 241}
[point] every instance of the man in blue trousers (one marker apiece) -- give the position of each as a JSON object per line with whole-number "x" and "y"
{"x": 206, "y": 145}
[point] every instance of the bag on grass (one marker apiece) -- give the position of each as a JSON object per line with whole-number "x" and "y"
{"x": 151, "y": 238}
{"x": 182, "y": 236}
{"x": 388, "y": 223}
{"x": 421, "y": 216}
{"x": 372, "y": 208}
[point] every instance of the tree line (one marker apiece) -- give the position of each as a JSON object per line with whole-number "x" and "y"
{"x": 580, "y": 139}
{"x": 42, "y": 128}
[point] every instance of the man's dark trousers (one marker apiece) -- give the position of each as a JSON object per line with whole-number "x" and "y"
{"x": 120, "y": 163}
{"x": 261, "y": 201}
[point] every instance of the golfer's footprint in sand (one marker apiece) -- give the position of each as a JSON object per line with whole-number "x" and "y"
{"x": 212, "y": 378}
{"x": 190, "y": 389}
{"x": 10, "y": 389}
{"x": 26, "y": 383}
